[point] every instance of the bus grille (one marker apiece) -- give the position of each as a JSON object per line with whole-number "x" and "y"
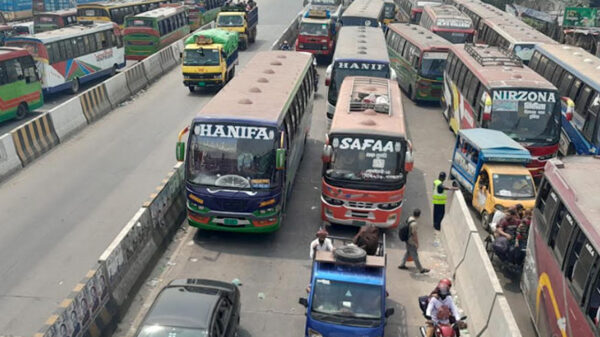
{"x": 233, "y": 205}
{"x": 201, "y": 76}
{"x": 360, "y": 204}
{"x": 312, "y": 46}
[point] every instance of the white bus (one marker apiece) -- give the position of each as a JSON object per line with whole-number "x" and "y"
{"x": 74, "y": 55}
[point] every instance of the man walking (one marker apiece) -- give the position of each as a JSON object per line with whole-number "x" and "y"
{"x": 412, "y": 242}
{"x": 439, "y": 200}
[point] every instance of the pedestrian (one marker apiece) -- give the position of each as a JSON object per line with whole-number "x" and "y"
{"x": 412, "y": 244}
{"x": 321, "y": 243}
{"x": 439, "y": 200}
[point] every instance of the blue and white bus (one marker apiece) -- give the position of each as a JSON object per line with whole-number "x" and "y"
{"x": 244, "y": 147}
{"x": 576, "y": 74}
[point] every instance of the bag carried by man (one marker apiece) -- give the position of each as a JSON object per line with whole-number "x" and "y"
{"x": 404, "y": 230}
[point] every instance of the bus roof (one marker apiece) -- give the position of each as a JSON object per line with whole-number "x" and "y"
{"x": 517, "y": 31}
{"x": 480, "y": 9}
{"x": 578, "y": 188}
{"x": 262, "y": 90}
{"x": 496, "y": 145}
{"x": 113, "y": 4}
{"x": 7, "y": 53}
{"x": 67, "y": 32}
{"x": 422, "y": 3}
{"x": 577, "y": 61}
{"x": 362, "y": 44}
{"x": 498, "y": 68}
{"x": 162, "y": 12}
{"x": 445, "y": 12}
{"x": 364, "y": 9}
{"x": 62, "y": 12}
{"x": 421, "y": 37}
{"x": 353, "y": 116}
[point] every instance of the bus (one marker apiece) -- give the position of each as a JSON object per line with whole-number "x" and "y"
{"x": 201, "y": 12}
{"x": 149, "y": 32}
{"x": 478, "y": 11}
{"x": 411, "y": 10}
{"x": 359, "y": 51}
{"x": 20, "y": 87}
{"x": 419, "y": 57}
{"x": 448, "y": 22}
{"x": 513, "y": 35}
{"x": 6, "y": 31}
{"x": 390, "y": 12}
{"x": 46, "y": 21}
{"x": 561, "y": 272}
{"x": 367, "y": 155}
{"x": 115, "y": 11}
{"x": 22, "y": 28}
{"x": 488, "y": 87}
{"x": 68, "y": 57}
{"x": 368, "y": 13}
{"x": 245, "y": 145}
{"x": 576, "y": 74}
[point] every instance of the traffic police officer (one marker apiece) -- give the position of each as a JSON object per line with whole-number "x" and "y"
{"x": 439, "y": 200}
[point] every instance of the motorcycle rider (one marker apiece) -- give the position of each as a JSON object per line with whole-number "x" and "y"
{"x": 440, "y": 308}
{"x": 285, "y": 46}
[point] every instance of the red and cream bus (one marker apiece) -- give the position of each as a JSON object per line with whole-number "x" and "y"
{"x": 488, "y": 87}
{"x": 366, "y": 156}
{"x": 411, "y": 10}
{"x": 561, "y": 273}
{"x": 448, "y": 22}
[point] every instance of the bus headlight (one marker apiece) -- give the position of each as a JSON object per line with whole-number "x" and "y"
{"x": 313, "y": 333}
{"x": 546, "y": 157}
{"x": 390, "y": 205}
{"x": 331, "y": 201}
{"x": 301, "y": 46}
{"x": 324, "y": 47}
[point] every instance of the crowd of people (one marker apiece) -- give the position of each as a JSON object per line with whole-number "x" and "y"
{"x": 511, "y": 228}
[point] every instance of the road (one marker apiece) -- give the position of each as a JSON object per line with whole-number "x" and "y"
{"x": 277, "y": 265}
{"x": 59, "y": 213}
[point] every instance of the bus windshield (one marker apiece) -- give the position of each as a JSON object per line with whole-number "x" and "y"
{"x": 230, "y": 20}
{"x": 314, "y": 29}
{"x": 524, "y": 51}
{"x": 232, "y": 156}
{"x": 433, "y": 64}
{"x": 45, "y": 19}
{"x": 92, "y": 12}
{"x": 513, "y": 186}
{"x": 341, "y": 69}
{"x": 326, "y": 2}
{"x": 139, "y": 23}
{"x": 359, "y": 21}
{"x": 201, "y": 57}
{"x": 389, "y": 10}
{"x": 344, "y": 300}
{"x": 454, "y": 36}
{"x": 370, "y": 158}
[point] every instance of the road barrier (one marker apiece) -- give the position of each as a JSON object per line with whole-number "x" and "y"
{"x": 136, "y": 78}
{"x": 166, "y": 203}
{"x": 68, "y": 118}
{"x": 478, "y": 287}
{"x": 95, "y": 103}
{"x": 290, "y": 34}
{"x": 167, "y": 59}
{"x": 117, "y": 89}
{"x": 9, "y": 161}
{"x": 34, "y": 138}
{"x": 152, "y": 67}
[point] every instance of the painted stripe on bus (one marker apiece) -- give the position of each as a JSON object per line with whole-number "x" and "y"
{"x": 544, "y": 282}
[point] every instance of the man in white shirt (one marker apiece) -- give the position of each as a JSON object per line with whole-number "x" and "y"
{"x": 321, "y": 243}
{"x": 439, "y": 309}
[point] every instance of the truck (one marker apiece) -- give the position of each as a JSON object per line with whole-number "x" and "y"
{"x": 489, "y": 167}
{"x": 240, "y": 19}
{"x": 209, "y": 58}
{"x": 347, "y": 292}
{"x": 317, "y": 33}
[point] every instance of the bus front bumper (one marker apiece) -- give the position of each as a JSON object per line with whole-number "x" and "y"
{"x": 343, "y": 215}
{"x": 234, "y": 222}
{"x": 207, "y": 80}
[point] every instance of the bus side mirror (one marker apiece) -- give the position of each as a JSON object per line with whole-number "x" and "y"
{"x": 280, "y": 159}
{"x": 328, "y": 75}
{"x": 393, "y": 75}
{"x": 180, "y": 151}
{"x": 567, "y": 107}
{"x": 327, "y": 152}
{"x": 389, "y": 312}
{"x": 409, "y": 161}
{"x": 303, "y": 301}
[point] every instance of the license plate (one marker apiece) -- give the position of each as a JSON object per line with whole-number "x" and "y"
{"x": 230, "y": 222}
{"x": 201, "y": 84}
{"x": 358, "y": 223}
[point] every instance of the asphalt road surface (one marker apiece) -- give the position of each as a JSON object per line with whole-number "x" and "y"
{"x": 59, "y": 213}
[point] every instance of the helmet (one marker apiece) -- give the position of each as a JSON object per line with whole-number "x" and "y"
{"x": 445, "y": 281}
{"x": 444, "y": 290}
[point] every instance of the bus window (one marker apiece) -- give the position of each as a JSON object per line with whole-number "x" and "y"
{"x": 563, "y": 90}
{"x": 575, "y": 89}
{"x": 549, "y": 70}
{"x": 29, "y": 70}
{"x": 542, "y": 65}
{"x": 584, "y": 263}
{"x": 550, "y": 207}
{"x": 562, "y": 228}
{"x": 556, "y": 77}
{"x": 582, "y": 102}
{"x": 574, "y": 254}
{"x": 590, "y": 125}
{"x": 594, "y": 302}
{"x": 534, "y": 60}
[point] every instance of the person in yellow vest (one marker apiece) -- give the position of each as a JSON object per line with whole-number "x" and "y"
{"x": 439, "y": 199}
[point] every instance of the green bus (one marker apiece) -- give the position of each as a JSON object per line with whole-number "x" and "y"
{"x": 418, "y": 56}
{"x": 20, "y": 86}
{"x": 148, "y": 32}
{"x": 202, "y": 12}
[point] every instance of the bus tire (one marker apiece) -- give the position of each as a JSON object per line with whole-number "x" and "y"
{"x": 412, "y": 94}
{"x": 113, "y": 71}
{"x": 22, "y": 111}
{"x": 191, "y": 88}
{"x": 74, "y": 86}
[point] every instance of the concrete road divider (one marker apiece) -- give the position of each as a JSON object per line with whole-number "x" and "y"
{"x": 290, "y": 34}
{"x": 68, "y": 118}
{"x": 95, "y": 103}
{"x": 167, "y": 205}
{"x": 9, "y": 161}
{"x": 481, "y": 294}
{"x": 152, "y": 67}
{"x": 136, "y": 78}
{"x": 117, "y": 89}
{"x": 34, "y": 138}
{"x": 167, "y": 59}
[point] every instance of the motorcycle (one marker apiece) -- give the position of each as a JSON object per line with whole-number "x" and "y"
{"x": 440, "y": 329}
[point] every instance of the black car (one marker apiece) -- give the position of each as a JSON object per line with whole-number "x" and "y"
{"x": 193, "y": 308}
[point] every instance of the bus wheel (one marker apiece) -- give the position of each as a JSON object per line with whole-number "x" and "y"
{"x": 412, "y": 94}
{"x": 192, "y": 88}
{"x": 22, "y": 111}
{"x": 74, "y": 86}
{"x": 113, "y": 71}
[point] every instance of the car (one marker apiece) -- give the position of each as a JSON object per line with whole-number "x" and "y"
{"x": 193, "y": 307}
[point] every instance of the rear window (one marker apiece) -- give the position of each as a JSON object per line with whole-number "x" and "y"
{"x": 139, "y": 23}
{"x": 45, "y": 19}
